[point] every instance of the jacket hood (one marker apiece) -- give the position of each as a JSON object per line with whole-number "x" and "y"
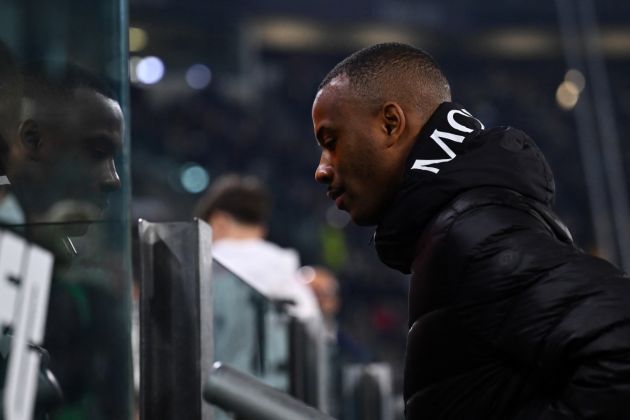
{"x": 452, "y": 154}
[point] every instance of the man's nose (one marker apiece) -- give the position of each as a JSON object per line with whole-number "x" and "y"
{"x": 110, "y": 181}
{"x": 324, "y": 172}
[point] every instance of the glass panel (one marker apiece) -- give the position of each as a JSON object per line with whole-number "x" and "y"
{"x": 251, "y": 332}
{"x": 253, "y": 339}
{"x": 65, "y": 186}
{"x": 261, "y": 339}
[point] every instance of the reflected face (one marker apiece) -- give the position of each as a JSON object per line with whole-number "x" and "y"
{"x": 70, "y": 147}
{"x": 354, "y": 162}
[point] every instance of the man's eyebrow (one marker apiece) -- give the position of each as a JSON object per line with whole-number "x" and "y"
{"x": 109, "y": 142}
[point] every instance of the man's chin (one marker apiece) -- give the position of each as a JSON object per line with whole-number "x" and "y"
{"x": 363, "y": 219}
{"x": 73, "y": 217}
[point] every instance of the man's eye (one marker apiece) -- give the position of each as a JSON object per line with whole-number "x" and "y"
{"x": 330, "y": 144}
{"x": 99, "y": 154}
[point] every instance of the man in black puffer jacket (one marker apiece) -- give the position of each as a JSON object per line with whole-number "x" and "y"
{"x": 508, "y": 319}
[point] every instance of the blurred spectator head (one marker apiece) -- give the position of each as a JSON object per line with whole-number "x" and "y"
{"x": 236, "y": 207}
{"x": 325, "y": 286}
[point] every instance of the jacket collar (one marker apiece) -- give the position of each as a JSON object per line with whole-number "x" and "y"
{"x": 452, "y": 154}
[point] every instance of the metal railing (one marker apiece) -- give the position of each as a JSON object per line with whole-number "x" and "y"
{"x": 251, "y": 399}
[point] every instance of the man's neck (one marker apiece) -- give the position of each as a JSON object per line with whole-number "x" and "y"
{"x": 239, "y": 232}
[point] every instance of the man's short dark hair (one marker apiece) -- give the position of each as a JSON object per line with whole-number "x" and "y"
{"x": 243, "y": 197}
{"x": 375, "y": 71}
{"x": 58, "y": 79}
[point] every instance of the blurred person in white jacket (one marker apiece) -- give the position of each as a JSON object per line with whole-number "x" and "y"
{"x": 237, "y": 208}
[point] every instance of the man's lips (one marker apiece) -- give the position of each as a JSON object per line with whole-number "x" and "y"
{"x": 336, "y": 195}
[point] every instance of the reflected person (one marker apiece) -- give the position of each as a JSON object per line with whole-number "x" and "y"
{"x": 58, "y": 163}
{"x": 59, "y": 157}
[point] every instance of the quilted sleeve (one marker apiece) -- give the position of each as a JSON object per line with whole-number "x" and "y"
{"x": 559, "y": 317}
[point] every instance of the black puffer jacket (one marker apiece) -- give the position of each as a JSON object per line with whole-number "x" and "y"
{"x": 508, "y": 319}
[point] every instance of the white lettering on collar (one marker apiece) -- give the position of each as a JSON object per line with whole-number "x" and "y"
{"x": 438, "y": 137}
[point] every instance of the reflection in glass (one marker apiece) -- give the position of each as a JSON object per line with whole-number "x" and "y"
{"x": 64, "y": 186}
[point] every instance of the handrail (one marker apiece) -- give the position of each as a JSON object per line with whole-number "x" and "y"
{"x": 251, "y": 399}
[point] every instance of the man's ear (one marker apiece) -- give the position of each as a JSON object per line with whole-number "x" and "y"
{"x": 30, "y": 138}
{"x": 394, "y": 122}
